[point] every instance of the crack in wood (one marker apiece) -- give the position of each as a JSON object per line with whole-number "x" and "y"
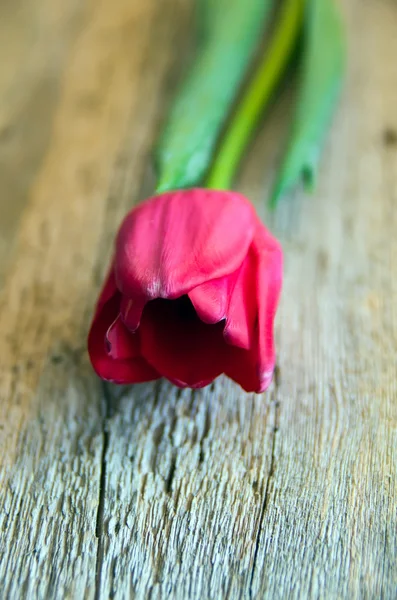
{"x": 277, "y": 381}
{"x": 206, "y": 430}
{"x": 170, "y": 478}
{"x": 102, "y": 494}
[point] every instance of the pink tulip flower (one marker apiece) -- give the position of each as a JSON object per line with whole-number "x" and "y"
{"x": 192, "y": 293}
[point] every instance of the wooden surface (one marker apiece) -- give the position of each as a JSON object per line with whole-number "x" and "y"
{"x": 149, "y": 492}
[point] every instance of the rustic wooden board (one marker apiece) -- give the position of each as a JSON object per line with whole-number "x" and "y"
{"x": 106, "y": 80}
{"x": 147, "y": 491}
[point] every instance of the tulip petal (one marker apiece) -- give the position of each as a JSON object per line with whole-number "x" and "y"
{"x": 109, "y": 365}
{"x": 242, "y": 308}
{"x": 174, "y": 242}
{"x": 131, "y": 311}
{"x": 211, "y": 299}
{"x": 242, "y": 369}
{"x": 269, "y": 259}
{"x": 180, "y": 346}
{"x": 251, "y": 314}
{"x": 121, "y": 343}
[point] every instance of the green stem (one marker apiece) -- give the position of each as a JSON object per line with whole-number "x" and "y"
{"x": 257, "y": 96}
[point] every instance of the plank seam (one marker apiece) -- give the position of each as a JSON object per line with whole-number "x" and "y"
{"x": 99, "y": 529}
{"x": 269, "y": 478}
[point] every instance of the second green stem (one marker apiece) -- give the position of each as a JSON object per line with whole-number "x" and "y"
{"x": 257, "y": 96}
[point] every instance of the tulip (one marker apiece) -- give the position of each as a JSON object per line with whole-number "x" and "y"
{"x": 191, "y": 293}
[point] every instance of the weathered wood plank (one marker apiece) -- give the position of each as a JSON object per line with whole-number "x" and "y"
{"x": 292, "y": 494}
{"x": 29, "y": 88}
{"x": 146, "y": 491}
{"x": 330, "y": 528}
{"x": 185, "y": 479}
{"x": 51, "y": 409}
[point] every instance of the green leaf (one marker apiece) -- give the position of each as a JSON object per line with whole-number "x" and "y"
{"x": 322, "y": 66}
{"x": 230, "y": 32}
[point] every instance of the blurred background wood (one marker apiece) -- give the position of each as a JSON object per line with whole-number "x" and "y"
{"x": 149, "y": 492}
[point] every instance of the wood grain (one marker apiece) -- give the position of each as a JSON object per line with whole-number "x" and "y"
{"x": 52, "y": 407}
{"x": 146, "y": 491}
